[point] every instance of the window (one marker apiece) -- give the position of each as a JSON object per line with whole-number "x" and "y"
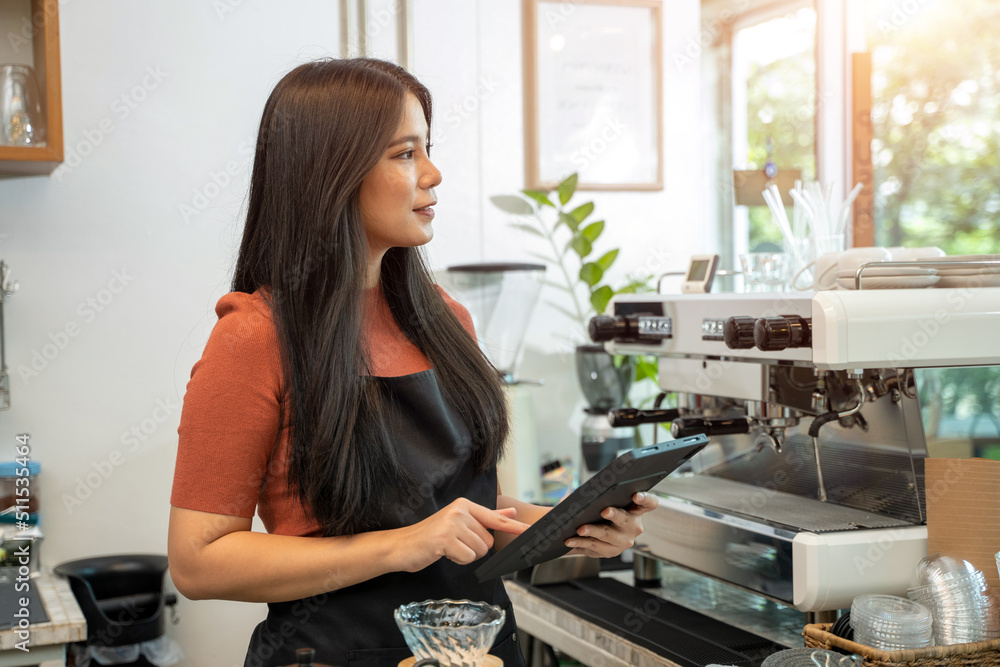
{"x": 936, "y": 124}
{"x": 960, "y": 410}
{"x": 774, "y": 108}
{"x": 936, "y": 157}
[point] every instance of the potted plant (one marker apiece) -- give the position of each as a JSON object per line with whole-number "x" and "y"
{"x": 571, "y": 234}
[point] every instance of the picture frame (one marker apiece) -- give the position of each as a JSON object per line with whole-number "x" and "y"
{"x": 593, "y": 93}
{"x": 358, "y": 18}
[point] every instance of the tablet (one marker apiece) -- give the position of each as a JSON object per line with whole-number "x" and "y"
{"x": 615, "y": 484}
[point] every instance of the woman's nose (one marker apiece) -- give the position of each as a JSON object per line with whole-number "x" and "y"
{"x": 431, "y": 178}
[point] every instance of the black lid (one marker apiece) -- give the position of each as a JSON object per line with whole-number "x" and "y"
{"x": 496, "y": 267}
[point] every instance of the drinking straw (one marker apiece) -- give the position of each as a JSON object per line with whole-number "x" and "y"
{"x": 821, "y": 208}
{"x": 845, "y": 209}
{"x": 801, "y": 198}
{"x": 772, "y": 196}
{"x": 798, "y": 217}
{"x": 773, "y": 199}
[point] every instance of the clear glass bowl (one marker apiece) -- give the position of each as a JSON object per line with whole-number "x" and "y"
{"x": 454, "y": 633}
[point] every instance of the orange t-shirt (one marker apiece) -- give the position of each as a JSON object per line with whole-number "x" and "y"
{"x": 227, "y": 461}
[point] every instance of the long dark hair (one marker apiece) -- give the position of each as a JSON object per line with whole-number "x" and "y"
{"x": 324, "y": 127}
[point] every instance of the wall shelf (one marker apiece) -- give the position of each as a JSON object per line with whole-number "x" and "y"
{"x": 39, "y": 33}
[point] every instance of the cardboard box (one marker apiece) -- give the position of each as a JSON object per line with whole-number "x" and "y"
{"x": 963, "y": 512}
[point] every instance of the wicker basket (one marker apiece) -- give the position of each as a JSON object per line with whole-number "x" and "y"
{"x": 980, "y": 654}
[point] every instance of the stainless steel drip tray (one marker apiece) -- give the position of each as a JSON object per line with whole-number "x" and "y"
{"x": 775, "y": 508}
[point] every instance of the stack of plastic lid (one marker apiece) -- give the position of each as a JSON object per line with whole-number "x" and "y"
{"x": 891, "y": 623}
{"x": 958, "y": 596}
{"x": 809, "y": 657}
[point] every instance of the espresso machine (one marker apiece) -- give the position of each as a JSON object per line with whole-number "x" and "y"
{"x": 812, "y": 489}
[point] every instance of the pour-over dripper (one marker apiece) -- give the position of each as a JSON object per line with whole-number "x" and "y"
{"x": 453, "y": 633}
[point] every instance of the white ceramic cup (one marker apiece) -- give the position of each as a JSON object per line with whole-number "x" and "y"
{"x": 824, "y": 272}
{"x": 826, "y": 267}
{"x": 852, "y": 259}
{"x": 913, "y": 254}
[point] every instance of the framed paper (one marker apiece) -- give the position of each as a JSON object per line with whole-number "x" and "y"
{"x": 593, "y": 93}
{"x": 362, "y": 20}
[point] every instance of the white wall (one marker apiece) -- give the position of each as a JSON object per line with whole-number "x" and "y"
{"x": 122, "y": 254}
{"x": 481, "y": 153}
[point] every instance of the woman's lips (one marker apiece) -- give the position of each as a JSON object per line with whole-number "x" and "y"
{"x": 427, "y": 212}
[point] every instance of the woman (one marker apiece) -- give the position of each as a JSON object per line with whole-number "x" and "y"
{"x": 342, "y": 394}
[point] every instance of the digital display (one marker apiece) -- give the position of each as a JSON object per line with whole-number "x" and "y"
{"x": 698, "y": 270}
{"x": 655, "y": 327}
{"x": 712, "y": 329}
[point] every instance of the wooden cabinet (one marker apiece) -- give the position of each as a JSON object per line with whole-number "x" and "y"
{"x": 37, "y": 33}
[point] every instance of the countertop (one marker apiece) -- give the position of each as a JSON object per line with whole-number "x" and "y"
{"x": 66, "y": 623}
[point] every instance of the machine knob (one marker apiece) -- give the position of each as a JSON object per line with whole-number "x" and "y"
{"x": 634, "y": 417}
{"x": 738, "y": 333}
{"x": 772, "y": 334}
{"x": 603, "y": 328}
{"x": 682, "y": 428}
{"x": 631, "y": 328}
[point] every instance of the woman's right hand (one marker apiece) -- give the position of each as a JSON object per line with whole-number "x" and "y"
{"x": 458, "y": 532}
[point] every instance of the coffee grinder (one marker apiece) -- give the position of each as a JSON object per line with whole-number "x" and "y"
{"x": 501, "y": 298}
{"x": 605, "y": 381}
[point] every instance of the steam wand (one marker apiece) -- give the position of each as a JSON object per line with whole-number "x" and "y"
{"x": 823, "y": 419}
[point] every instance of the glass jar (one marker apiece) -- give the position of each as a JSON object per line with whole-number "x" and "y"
{"x": 11, "y": 503}
{"x": 22, "y": 122}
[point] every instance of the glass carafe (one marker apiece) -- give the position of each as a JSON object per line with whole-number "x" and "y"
{"x": 21, "y": 120}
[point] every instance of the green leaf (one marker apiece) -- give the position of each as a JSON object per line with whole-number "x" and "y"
{"x": 593, "y": 230}
{"x": 581, "y": 245}
{"x": 513, "y": 204}
{"x": 607, "y": 259}
{"x": 631, "y": 288}
{"x": 539, "y": 196}
{"x": 569, "y": 221}
{"x": 643, "y": 283}
{"x": 636, "y": 286}
{"x": 599, "y": 298}
{"x": 566, "y": 189}
{"x": 645, "y": 369}
{"x": 531, "y": 229}
{"x": 591, "y": 274}
{"x": 581, "y": 212}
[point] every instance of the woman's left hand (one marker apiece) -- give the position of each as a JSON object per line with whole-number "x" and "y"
{"x": 610, "y": 539}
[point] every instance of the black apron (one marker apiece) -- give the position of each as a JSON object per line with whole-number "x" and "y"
{"x": 354, "y": 626}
